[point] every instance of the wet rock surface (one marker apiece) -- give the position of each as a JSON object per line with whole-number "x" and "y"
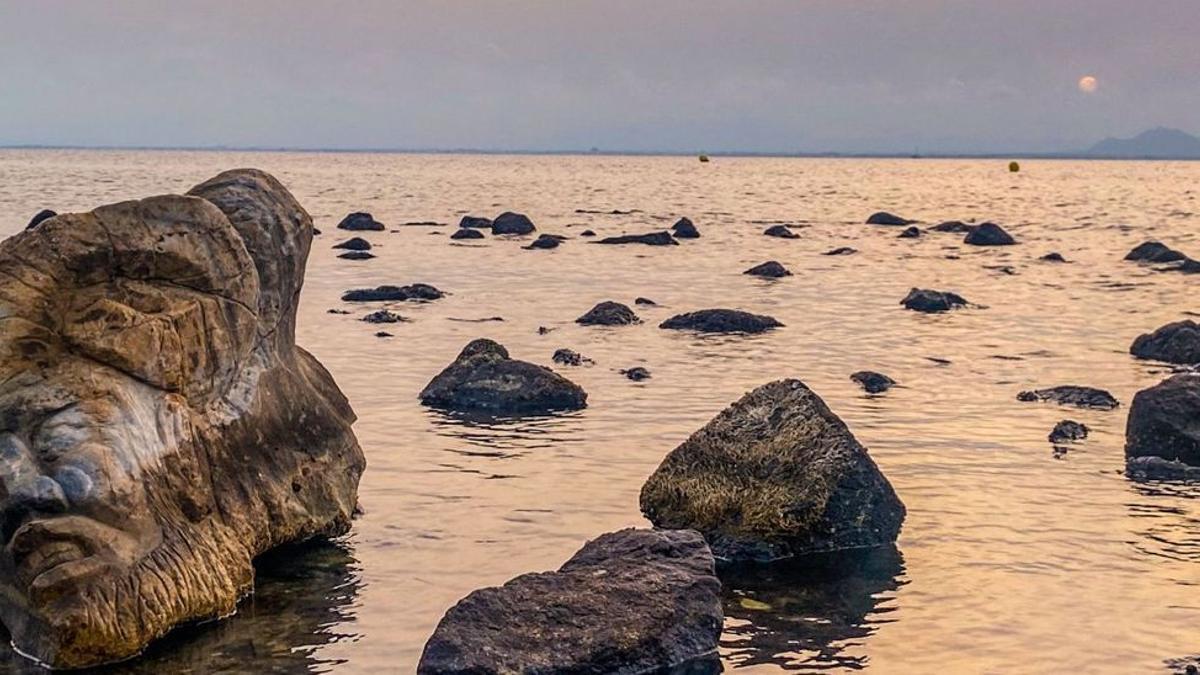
{"x": 1177, "y": 342}
{"x": 989, "y": 234}
{"x": 721, "y": 321}
{"x": 885, "y": 218}
{"x": 931, "y": 301}
{"x": 1164, "y": 421}
{"x": 650, "y": 239}
{"x": 1068, "y": 430}
{"x": 685, "y": 229}
{"x": 781, "y": 231}
{"x": 512, "y": 223}
{"x": 1072, "y": 395}
{"x": 468, "y": 233}
{"x": 770, "y": 269}
{"x": 629, "y": 602}
{"x": 609, "y": 313}
{"x": 775, "y": 475}
{"x": 421, "y": 292}
{"x": 484, "y": 377}
{"x": 873, "y": 382}
{"x": 360, "y": 221}
{"x": 147, "y": 357}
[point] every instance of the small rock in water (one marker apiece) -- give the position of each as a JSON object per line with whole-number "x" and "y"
{"x": 587, "y": 233}
{"x": 475, "y": 222}
{"x": 383, "y": 316}
{"x": 913, "y": 232}
{"x": 568, "y": 357}
{"x": 467, "y": 233}
{"x": 543, "y": 330}
{"x": 1154, "y": 252}
{"x": 644, "y": 301}
{"x": 956, "y": 226}
{"x": 44, "y": 214}
{"x": 781, "y": 231}
{"x": 484, "y": 377}
{"x": 651, "y": 239}
{"x": 842, "y": 250}
{"x": 354, "y": 244}
{"x": 872, "y": 382}
{"x": 544, "y": 241}
{"x": 383, "y": 334}
{"x": 930, "y": 301}
{"x": 512, "y": 223}
{"x": 771, "y": 269}
{"x": 337, "y": 311}
{"x": 360, "y": 221}
{"x": 1068, "y": 430}
{"x": 1163, "y": 421}
{"x": 721, "y": 321}
{"x": 684, "y": 229}
{"x": 609, "y": 313}
{"x": 422, "y": 292}
{"x": 637, "y": 373}
{"x": 885, "y": 218}
{"x": 1054, "y": 257}
{"x": 1177, "y": 343}
{"x": 357, "y": 255}
{"x": 1003, "y": 269}
{"x": 989, "y": 234}
{"x": 1080, "y": 397}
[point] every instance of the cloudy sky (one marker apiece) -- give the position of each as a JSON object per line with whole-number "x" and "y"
{"x": 645, "y": 75}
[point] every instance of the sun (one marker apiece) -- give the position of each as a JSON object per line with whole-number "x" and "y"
{"x": 1088, "y": 84}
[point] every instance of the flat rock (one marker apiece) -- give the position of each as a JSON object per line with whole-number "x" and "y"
{"x": 1072, "y": 395}
{"x": 1164, "y": 421}
{"x": 932, "y": 302}
{"x": 475, "y": 222}
{"x": 781, "y": 231}
{"x": 885, "y": 218}
{"x": 422, "y": 292}
{"x": 721, "y": 321}
{"x": 872, "y": 382}
{"x": 1068, "y": 430}
{"x": 512, "y": 223}
{"x": 989, "y": 234}
{"x": 841, "y": 250}
{"x": 685, "y": 229}
{"x": 1177, "y": 342}
{"x": 771, "y": 269}
{"x": 1154, "y": 252}
{"x": 361, "y": 221}
{"x": 354, "y": 244}
{"x": 631, "y": 602}
{"x": 609, "y": 313}
{"x": 356, "y": 255}
{"x": 650, "y": 239}
{"x": 483, "y": 377}
{"x": 39, "y": 217}
{"x": 775, "y": 475}
{"x": 468, "y": 233}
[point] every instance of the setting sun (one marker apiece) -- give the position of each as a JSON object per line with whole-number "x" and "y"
{"x": 1088, "y": 84}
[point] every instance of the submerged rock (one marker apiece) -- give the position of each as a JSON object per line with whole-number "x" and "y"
{"x": 483, "y": 377}
{"x": 383, "y": 316}
{"x": 1177, "y": 342}
{"x": 931, "y": 302}
{"x": 629, "y": 602}
{"x": 651, "y": 239}
{"x": 512, "y": 223}
{"x": 1163, "y": 421}
{"x": 781, "y": 231}
{"x": 637, "y": 373}
{"x": 885, "y": 218}
{"x": 1154, "y": 252}
{"x": 989, "y": 234}
{"x": 684, "y": 229}
{"x": 475, "y": 222}
{"x": 1054, "y": 257}
{"x": 721, "y": 321}
{"x": 360, "y": 221}
{"x": 955, "y": 226}
{"x": 1157, "y": 468}
{"x": 1068, "y": 430}
{"x": 645, "y": 301}
{"x": 569, "y": 357}
{"x": 609, "y": 313}
{"x": 147, "y": 359}
{"x": 775, "y": 475}
{"x": 872, "y": 382}
{"x": 422, "y": 292}
{"x": 587, "y": 233}
{"x": 357, "y": 255}
{"x": 771, "y": 269}
{"x": 545, "y": 241}
{"x": 913, "y": 232}
{"x": 467, "y": 233}
{"x": 355, "y": 244}
{"x": 842, "y": 250}
{"x": 39, "y": 217}
{"x": 1080, "y": 397}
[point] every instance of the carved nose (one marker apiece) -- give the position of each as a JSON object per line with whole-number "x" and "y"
{"x": 42, "y": 495}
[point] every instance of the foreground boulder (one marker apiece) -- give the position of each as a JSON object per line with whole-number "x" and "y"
{"x": 629, "y": 602}
{"x": 1072, "y": 395}
{"x": 651, "y": 239}
{"x": 781, "y": 232}
{"x": 771, "y": 269}
{"x": 989, "y": 234}
{"x": 420, "y": 292}
{"x": 1177, "y": 342}
{"x": 40, "y": 217}
{"x": 885, "y": 218}
{"x": 484, "y": 377}
{"x": 685, "y": 229}
{"x": 609, "y": 313}
{"x": 721, "y": 321}
{"x": 360, "y": 221}
{"x": 775, "y": 475}
{"x": 162, "y": 428}
{"x": 1154, "y": 252}
{"x": 512, "y": 223}
{"x": 932, "y": 302}
{"x": 1164, "y": 421}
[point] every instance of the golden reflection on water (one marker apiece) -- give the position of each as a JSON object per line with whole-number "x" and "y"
{"x": 1012, "y": 559}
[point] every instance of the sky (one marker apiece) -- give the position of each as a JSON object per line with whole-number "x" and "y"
{"x": 932, "y": 76}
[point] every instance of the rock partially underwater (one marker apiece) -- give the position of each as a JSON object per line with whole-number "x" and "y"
{"x": 775, "y": 475}
{"x": 160, "y": 426}
{"x": 485, "y": 378}
{"x": 1164, "y": 422}
{"x": 721, "y": 321}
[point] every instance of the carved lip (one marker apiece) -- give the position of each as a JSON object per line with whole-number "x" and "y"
{"x": 49, "y": 551}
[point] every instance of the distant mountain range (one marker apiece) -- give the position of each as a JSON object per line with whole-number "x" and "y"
{"x": 1160, "y": 143}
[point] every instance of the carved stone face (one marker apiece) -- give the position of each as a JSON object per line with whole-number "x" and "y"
{"x": 158, "y": 426}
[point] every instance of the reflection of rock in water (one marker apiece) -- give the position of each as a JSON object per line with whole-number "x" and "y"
{"x": 302, "y": 596}
{"x": 1165, "y": 521}
{"x": 804, "y": 614}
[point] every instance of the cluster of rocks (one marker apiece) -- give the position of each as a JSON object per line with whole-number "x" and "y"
{"x": 1157, "y": 252}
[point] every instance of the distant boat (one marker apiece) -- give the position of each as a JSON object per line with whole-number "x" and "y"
{"x": 703, "y": 158}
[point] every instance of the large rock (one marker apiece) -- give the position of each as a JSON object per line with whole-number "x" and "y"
{"x": 1177, "y": 342}
{"x": 989, "y": 234}
{"x": 161, "y": 427}
{"x": 512, "y": 223}
{"x": 775, "y": 475}
{"x": 418, "y": 292}
{"x": 609, "y": 313}
{"x": 885, "y": 218}
{"x": 360, "y": 221}
{"x": 1072, "y": 395}
{"x": 650, "y": 239}
{"x": 628, "y": 603}
{"x": 684, "y": 228}
{"x": 1164, "y": 421}
{"x": 721, "y": 321}
{"x": 484, "y": 377}
{"x": 1155, "y": 252}
{"x": 932, "y": 302}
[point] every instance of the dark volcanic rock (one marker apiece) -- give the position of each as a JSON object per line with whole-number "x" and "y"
{"x": 989, "y": 234}
{"x": 775, "y": 475}
{"x": 872, "y": 382}
{"x": 483, "y": 377}
{"x": 1068, "y": 430}
{"x": 475, "y": 222}
{"x": 781, "y": 231}
{"x": 1155, "y": 252}
{"x": 929, "y": 301}
{"x": 628, "y": 603}
{"x": 651, "y": 239}
{"x": 467, "y": 233}
{"x": 544, "y": 241}
{"x": 355, "y": 244}
{"x": 44, "y": 214}
{"x": 1164, "y": 421}
{"x": 637, "y": 373}
{"x": 842, "y": 250}
{"x": 721, "y": 321}
{"x": 569, "y": 357}
{"x": 1054, "y": 257}
{"x": 1080, "y": 397}
{"x": 383, "y": 316}
{"x": 1177, "y": 342}
{"x": 770, "y": 269}
{"x": 393, "y": 293}
{"x": 885, "y": 218}
{"x": 956, "y": 226}
{"x": 645, "y": 301}
{"x": 913, "y": 232}
{"x": 609, "y": 313}
{"x": 360, "y": 221}
{"x": 512, "y": 223}
{"x": 357, "y": 255}
{"x": 684, "y": 229}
